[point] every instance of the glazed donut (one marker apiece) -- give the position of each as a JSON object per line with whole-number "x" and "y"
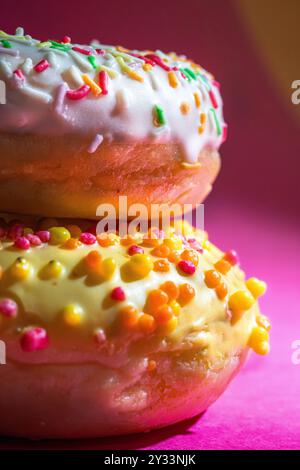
{"x": 107, "y": 335}
{"x": 83, "y": 124}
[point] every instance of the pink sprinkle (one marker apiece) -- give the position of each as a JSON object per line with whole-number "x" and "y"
{"x": 103, "y": 82}
{"x": 66, "y": 40}
{"x": 78, "y": 94}
{"x": 19, "y": 74}
{"x": 98, "y": 139}
{"x": 232, "y": 257}
{"x": 60, "y": 97}
{"x": 224, "y": 133}
{"x": 15, "y": 231}
{"x": 157, "y": 60}
{"x": 22, "y": 243}
{"x": 8, "y": 308}
{"x": 34, "y": 240}
{"x": 118, "y": 294}
{"x": 195, "y": 245}
{"x": 44, "y": 235}
{"x": 81, "y": 50}
{"x": 87, "y": 238}
{"x": 216, "y": 84}
{"x": 41, "y": 66}
{"x": 187, "y": 267}
{"x": 100, "y": 336}
{"x": 213, "y": 99}
{"x": 134, "y": 249}
{"x": 34, "y": 339}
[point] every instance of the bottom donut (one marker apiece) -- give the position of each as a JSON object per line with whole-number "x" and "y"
{"x": 107, "y": 335}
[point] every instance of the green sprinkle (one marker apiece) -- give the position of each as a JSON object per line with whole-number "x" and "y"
{"x": 44, "y": 44}
{"x": 6, "y": 44}
{"x": 92, "y": 61}
{"x": 58, "y": 45}
{"x": 160, "y": 115}
{"x": 188, "y": 77}
{"x": 218, "y": 127}
{"x": 190, "y": 73}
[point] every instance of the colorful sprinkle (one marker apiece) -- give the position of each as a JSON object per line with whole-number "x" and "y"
{"x": 159, "y": 116}
{"x": 34, "y": 339}
{"x": 78, "y": 94}
{"x": 103, "y": 81}
{"x": 118, "y": 294}
{"x": 96, "y": 90}
{"x": 186, "y": 267}
{"x": 8, "y": 308}
{"x": 41, "y": 66}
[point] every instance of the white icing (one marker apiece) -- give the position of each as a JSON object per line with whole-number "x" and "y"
{"x": 126, "y": 112}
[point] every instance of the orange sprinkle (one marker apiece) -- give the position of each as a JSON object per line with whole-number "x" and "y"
{"x": 147, "y": 67}
{"x": 185, "y": 108}
{"x": 221, "y": 290}
{"x": 147, "y": 323}
{"x": 151, "y": 365}
{"x": 106, "y": 240}
{"x": 72, "y": 244}
{"x": 170, "y": 288}
{"x": 197, "y": 100}
{"x": 190, "y": 255}
{"x": 174, "y": 257}
{"x": 122, "y": 49}
{"x": 186, "y": 294}
{"x": 173, "y": 82}
{"x": 156, "y": 299}
{"x": 223, "y": 266}
{"x": 212, "y": 278}
{"x": 127, "y": 240}
{"x": 164, "y": 314}
{"x": 129, "y": 317}
{"x": 93, "y": 260}
{"x": 93, "y": 85}
{"x": 161, "y": 251}
{"x": 74, "y": 230}
{"x": 161, "y": 265}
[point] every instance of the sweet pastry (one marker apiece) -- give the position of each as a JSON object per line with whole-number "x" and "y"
{"x": 83, "y": 124}
{"x": 108, "y": 335}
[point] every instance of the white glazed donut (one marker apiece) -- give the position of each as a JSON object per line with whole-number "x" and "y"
{"x": 83, "y": 124}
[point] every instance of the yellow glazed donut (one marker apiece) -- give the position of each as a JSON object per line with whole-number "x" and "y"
{"x": 83, "y": 124}
{"x": 107, "y": 335}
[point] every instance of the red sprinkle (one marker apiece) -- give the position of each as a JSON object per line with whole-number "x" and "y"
{"x": 213, "y": 99}
{"x": 22, "y": 243}
{"x": 100, "y": 51}
{"x": 79, "y": 93}
{"x": 224, "y": 133}
{"x": 158, "y": 61}
{"x": 232, "y": 257}
{"x": 66, "y": 40}
{"x": 34, "y": 339}
{"x": 19, "y": 73}
{"x": 34, "y": 240}
{"x": 118, "y": 294}
{"x": 82, "y": 51}
{"x": 134, "y": 249}
{"x": 187, "y": 267}
{"x": 88, "y": 238}
{"x": 8, "y": 308}
{"x": 144, "y": 58}
{"x": 41, "y": 66}
{"x": 44, "y": 235}
{"x": 103, "y": 82}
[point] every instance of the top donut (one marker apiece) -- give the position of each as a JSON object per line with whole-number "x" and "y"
{"x": 103, "y": 94}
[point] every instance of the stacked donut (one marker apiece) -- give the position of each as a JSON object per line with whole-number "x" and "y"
{"x": 107, "y": 333}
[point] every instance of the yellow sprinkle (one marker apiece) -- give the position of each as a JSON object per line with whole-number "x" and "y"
{"x": 92, "y": 84}
{"x": 108, "y": 267}
{"x": 256, "y": 287}
{"x": 190, "y": 166}
{"x": 131, "y": 73}
{"x": 147, "y": 67}
{"x": 112, "y": 73}
{"x": 259, "y": 340}
{"x": 138, "y": 267}
{"x": 173, "y": 81}
{"x": 20, "y": 270}
{"x": 59, "y": 235}
{"x": 197, "y": 100}
{"x": 170, "y": 326}
{"x": 174, "y": 243}
{"x": 185, "y": 108}
{"x": 52, "y": 270}
{"x": 73, "y": 315}
{"x": 122, "y": 49}
{"x": 241, "y": 300}
{"x": 176, "y": 308}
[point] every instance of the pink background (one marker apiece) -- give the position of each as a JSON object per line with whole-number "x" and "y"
{"x": 253, "y": 207}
